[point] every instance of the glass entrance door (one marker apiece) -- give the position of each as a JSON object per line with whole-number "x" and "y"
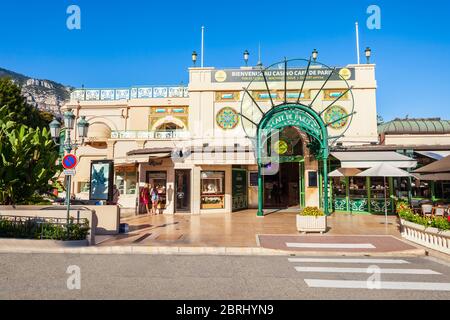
{"x": 283, "y": 190}
{"x": 183, "y": 192}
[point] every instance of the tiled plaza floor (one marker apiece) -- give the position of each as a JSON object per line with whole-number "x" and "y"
{"x": 239, "y": 229}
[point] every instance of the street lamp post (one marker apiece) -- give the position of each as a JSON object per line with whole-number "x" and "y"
{"x": 194, "y": 57}
{"x": 246, "y": 55}
{"x": 368, "y": 54}
{"x": 68, "y": 145}
{"x": 315, "y": 54}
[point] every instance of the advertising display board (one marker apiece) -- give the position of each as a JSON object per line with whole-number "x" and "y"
{"x": 101, "y": 181}
{"x": 239, "y": 183}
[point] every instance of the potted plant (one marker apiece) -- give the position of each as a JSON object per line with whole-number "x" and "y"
{"x": 311, "y": 219}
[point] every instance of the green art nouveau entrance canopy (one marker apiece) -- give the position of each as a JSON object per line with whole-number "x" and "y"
{"x": 307, "y": 121}
{"x": 263, "y": 118}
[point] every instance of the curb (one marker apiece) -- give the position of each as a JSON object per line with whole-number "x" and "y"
{"x": 217, "y": 251}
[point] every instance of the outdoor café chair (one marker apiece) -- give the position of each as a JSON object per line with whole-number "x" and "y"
{"x": 427, "y": 209}
{"x": 439, "y": 211}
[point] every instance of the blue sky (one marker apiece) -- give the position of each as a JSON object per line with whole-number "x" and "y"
{"x": 135, "y": 42}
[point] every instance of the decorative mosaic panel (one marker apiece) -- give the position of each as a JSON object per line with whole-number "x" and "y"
{"x": 134, "y": 93}
{"x": 122, "y": 94}
{"x": 227, "y": 118}
{"x": 160, "y": 92}
{"x": 107, "y": 94}
{"x": 92, "y": 95}
{"x": 333, "y": 94}
{"x": 175, "y": 92}
{"x": 336, "y": 115}
{"x": 264, "y": 95}
{"x": 293, "y": 95}
{"x": 227, "y": 96}
{"x": 144, "y": 93}
{"x": 77, "y": 95}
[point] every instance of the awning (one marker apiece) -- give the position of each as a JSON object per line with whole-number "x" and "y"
{"x": 436, "y": 155}
{"x": 142, "y": 158}
{"x": 159, "y": 155}
{"x": 439, "y": 166}
{"x": 158, "y": 152}
{"x": 370, "y": 159}
{"x": 344, "y": 172}
{"x": 435, "y": 177}
{"x": 384, "y": 170}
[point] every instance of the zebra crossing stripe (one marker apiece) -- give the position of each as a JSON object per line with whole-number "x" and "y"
{"x": 330, "y": 245}
{"x": 364, "y": 270}
{"x": 363, "y": 261}
{"x": 383, "y": 285}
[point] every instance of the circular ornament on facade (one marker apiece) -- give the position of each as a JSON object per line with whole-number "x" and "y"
{"x": 337, "y": 116}
{"x": 220, "y": 76}
{"x": 345, "y": 73}
{"x": 227, "y": 118}
{"x": 281, "y": 147}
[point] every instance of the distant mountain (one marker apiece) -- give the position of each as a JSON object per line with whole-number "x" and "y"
{"x": 46, "y": 95}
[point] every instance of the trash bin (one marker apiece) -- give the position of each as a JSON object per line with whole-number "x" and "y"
{"x": 124, "y": 228}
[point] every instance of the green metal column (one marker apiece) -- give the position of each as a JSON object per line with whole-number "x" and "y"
{"x": 260, "y": 192}
{"x": 302, "y": 185}
{"x": 369, "y": 194}
{"x": 391, "y": 194}
{"x": 433, "y": 191}
{"x": 321, "y": 189}
{"x": 325, "y": 178}
{"x": 347, "y": 192}
{"x": 409, "y": 189}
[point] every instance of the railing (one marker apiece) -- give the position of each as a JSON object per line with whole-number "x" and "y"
{"x": 129, "y": 93}
{"x": 428, "y": 237}
{"x": 171, "y": 134}
{"x": 28, "y": 227}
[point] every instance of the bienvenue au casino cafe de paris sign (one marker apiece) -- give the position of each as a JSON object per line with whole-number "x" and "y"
{"x": 239, "y": 75}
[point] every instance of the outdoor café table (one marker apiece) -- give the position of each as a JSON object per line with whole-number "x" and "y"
{"x": 445, "y": 208}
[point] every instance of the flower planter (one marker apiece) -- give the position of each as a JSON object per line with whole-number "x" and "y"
{"x": 428, "y": 237}
{"x": 212, "y": 206}
{"x": 311, "y": 224}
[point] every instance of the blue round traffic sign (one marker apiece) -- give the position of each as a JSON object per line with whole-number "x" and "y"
{"x": 69, "y": 161}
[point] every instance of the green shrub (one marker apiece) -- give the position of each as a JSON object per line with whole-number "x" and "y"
{"x": 312, "y": 212}
{"x": 402, "y": 205}
{"x": 406, "y": 213}
{"x": 36, "y": 229}
{"x": 440, "y": 223}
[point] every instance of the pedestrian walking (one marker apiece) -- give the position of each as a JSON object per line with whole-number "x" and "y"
{"x": 115, "y": 196}
{"x": 155, "y": 199}
{"x": 144, "y": 196}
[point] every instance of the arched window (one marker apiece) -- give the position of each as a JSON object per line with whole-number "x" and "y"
{"x": 168, "y": 123}
{"x": 169, "y": 126}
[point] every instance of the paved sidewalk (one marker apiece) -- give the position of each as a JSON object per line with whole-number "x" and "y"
{"x": 348, "y": 244}
{"x": 241, "y": 233}
{"x": 238, "y": 229}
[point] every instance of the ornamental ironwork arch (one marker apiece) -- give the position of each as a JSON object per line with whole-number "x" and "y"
{"x": 281, "y": 96}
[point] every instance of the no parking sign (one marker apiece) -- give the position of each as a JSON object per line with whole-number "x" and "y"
{"x": 69, "y": 161}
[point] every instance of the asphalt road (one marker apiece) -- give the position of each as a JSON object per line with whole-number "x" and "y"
{"x": 44, "y": 276}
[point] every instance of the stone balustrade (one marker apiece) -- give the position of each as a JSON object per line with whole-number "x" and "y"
{"x": 428, "y": 237}
{"x": 111, "y": 94}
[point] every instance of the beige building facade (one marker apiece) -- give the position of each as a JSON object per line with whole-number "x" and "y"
{"x": 190, "y": 143}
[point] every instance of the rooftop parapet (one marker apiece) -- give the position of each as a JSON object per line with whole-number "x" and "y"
{"x": 116, "y": 94}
